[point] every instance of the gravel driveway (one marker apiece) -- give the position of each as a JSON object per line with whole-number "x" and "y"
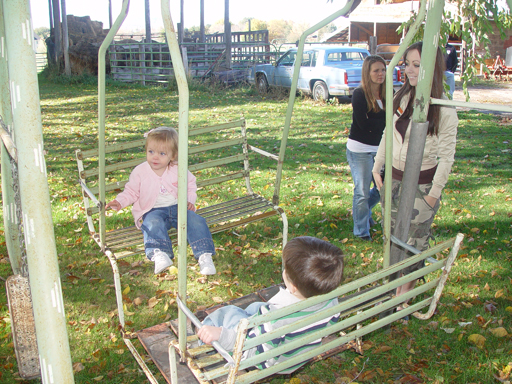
{"x": 493, "y": 93}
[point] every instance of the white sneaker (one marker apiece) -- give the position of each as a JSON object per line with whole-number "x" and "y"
{"x": 162, "y": 261}
{"x": 206, "y": 266}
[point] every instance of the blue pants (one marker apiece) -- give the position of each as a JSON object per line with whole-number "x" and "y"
{"x": 365, "y": 198}
{"x": 230, "y": 315}
{"x": 450, "y": 80}
{"x": 158, "y": 221}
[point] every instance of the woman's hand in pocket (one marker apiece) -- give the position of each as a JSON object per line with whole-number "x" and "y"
{"x": 378, "y": 180}
{"x": 430, "y": 201}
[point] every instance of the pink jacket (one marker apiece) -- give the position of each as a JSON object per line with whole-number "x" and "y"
{"x": 143, "y": 188}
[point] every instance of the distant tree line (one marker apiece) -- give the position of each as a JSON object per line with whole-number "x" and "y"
{"x": 283, "y": 30}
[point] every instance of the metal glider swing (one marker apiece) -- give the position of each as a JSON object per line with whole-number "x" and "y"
{"x": 20, "y": 112}
{"x": 212, "y": 363}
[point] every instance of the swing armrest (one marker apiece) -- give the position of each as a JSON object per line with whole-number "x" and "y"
{"x": 263, "y": 153}
{"x": 96, "y": 202}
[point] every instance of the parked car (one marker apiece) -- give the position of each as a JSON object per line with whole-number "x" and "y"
{"x": 325, "y": 72}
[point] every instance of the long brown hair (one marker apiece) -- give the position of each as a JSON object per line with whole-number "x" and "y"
{"x": 366, "y": 83}
{"x": 437, "y": 91}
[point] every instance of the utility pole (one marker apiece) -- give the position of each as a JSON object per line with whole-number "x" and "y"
{"x": 227, "y": 34}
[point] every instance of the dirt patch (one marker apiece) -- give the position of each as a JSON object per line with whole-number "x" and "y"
{"x": 492, "y": 93}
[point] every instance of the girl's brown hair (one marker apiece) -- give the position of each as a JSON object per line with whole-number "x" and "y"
{"x": 167, "y": 138}
{"x": 437, "y": 91}
{"x": 366, "y": 83}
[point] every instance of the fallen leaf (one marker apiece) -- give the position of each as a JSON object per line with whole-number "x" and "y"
{"x": 499, "y": 332}
{"x": 137, "y": 301}
{"x": 152, "y": 302}
{"x": 384, "y": 348}
{"x": 477, "y": 339}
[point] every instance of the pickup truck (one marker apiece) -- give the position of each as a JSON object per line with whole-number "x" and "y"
{"x": 325, "y": 72}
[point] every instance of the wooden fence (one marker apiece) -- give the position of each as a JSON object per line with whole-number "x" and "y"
{"x": 133, "y": 61}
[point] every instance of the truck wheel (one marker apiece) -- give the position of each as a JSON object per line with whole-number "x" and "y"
{"x": 320, "y": 91}
{"x": 261, "y": 84}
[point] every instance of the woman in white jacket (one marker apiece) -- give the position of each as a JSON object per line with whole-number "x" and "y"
{"x": 438, "y": 155}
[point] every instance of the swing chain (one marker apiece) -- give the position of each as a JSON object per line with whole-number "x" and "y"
{"x": 11, "y": 149}
{"x": 19, "y": 215}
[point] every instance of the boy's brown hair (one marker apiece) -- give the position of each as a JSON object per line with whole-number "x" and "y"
{"x": 314, "y": 266}
{"x": 164, "y": 137}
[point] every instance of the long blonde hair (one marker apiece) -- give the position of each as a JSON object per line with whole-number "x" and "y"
{"x": 366, "y": 83}
{"x": 167, "y": 137}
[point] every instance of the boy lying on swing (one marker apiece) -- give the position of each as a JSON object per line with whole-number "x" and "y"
{"x": 153, "y": 191}
{"x": 311, "y": 267}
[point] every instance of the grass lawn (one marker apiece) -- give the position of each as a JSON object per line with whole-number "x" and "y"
{"x": 316, "y": 193}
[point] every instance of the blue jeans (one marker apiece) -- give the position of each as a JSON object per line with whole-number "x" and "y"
{"x": 158, "y": 221}
{"x": 365, "y": 198}
{"x": 450, "y": 80}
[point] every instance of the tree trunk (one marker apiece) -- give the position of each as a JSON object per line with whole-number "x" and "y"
{"x": 51, "y": 16}
{"x": 65, "y": 38}
{"x": 57, "y": 36}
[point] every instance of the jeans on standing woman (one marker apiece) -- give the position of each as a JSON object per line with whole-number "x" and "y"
{"x": 158, "y": 221}
{"x": 365, "y": 198}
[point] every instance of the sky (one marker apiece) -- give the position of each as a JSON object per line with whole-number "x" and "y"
{"x": 309, "y": 11}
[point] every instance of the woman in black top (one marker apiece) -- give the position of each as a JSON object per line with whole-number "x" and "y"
{"x": 368, "y": 122}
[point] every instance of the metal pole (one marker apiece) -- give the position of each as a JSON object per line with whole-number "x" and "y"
{"x": 101, "y": 115}
{"x": 293, "y": 91}
{"x": 44, "y": 276}
{"x": 183, "y": 92}
{"x": 201, "y": 23}
{"x": 419, "y": 128}
{"x": 227, "y": 34}
{"x": 389, "y": 126}
{"x": 12, "y": 235}
{"x": 148, "y": 22}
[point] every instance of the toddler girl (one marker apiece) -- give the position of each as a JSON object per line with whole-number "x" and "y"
{"x": 153, "y": 191}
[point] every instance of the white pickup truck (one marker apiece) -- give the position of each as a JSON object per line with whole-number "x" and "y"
{"x": 325, "y": 72}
